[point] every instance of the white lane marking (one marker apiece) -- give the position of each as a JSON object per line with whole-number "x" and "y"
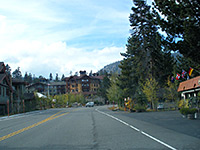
{"x": 138, "y": 130}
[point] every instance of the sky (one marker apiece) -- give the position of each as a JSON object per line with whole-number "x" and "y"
{"x": 60, "y": 36}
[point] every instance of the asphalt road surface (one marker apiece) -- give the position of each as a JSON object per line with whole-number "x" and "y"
{"x": 98, "y": 128}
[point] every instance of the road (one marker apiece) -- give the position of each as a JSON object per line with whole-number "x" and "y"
{"x": 96, "y": 128}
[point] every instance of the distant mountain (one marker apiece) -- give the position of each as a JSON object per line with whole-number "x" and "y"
{"x": 111, "y": 68}
{"x": 114, "y": 67}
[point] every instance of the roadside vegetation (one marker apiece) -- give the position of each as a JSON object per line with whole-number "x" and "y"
{"x": 60, "y": 101}
{"x": 158, "y": 48}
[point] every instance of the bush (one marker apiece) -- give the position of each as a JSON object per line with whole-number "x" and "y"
{"x": 183, "y": 103}
{"x": 140, "y": 108}
{"x": 186, "y": 111}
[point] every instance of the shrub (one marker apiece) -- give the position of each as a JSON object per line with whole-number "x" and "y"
{"x": 183, "y": 103}
{"x": 186, "y": 111}
{"x": 140, "y": 108}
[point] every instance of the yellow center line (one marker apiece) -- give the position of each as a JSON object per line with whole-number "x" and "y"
{"x": 34, "y": 125}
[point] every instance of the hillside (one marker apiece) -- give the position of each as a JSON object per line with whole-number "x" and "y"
{"x": 111, "y": 68}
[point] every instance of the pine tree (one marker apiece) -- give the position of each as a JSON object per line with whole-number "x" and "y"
{"x": 181, "y": 22}
{"x": 63, "y": 78}
{"x": 26, "y": 77}
{"x": 57, "y": 79}
{"x": 17, "y": 73}
{"x": 105, "y": 84}
{"x": 126, "y": 78}
{"x": 50, "y": 77}
{"x": 145, "y": 56}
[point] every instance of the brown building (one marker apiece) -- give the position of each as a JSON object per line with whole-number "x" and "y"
{"x": 57, "y": 88}
{"x": 84, "y": 84}
{"x": 189, "y": 88}
{"x": 6, "y": 98}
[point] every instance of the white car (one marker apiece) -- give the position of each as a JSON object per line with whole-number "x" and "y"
{"x": 160, "y": 106}
{"x": 90, "y": 104}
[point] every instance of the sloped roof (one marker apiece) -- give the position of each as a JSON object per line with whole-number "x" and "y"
{"x": 18, "y": 81}
{"x": 189, "y": 84}
{"x": 58, "y": 83}
{"x": 2, "y": 66}
{"x": 82, "y": 76}
{"x": 97, "y": 77}
{"x": 2, "y": 76}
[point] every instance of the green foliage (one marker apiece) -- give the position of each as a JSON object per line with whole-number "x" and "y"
{"x": 146, "y": 54}
{"x": 79, "y": 98}
{"x": 50, "y": 77}
{"x": 182, "y": 25}
{"x": 140, "y": 97}
{"x": 171, "y": 93}
{"x": 183, "y": 103}
{"x": 186, "y": 111}
{"x": 126, "y": 80}
{"x": 104, "y": 86}
{"x": 140, "y": 108}
{"x": 61, "y": 100}
{"x": 114, "y": 93}
{"x": 150, "y": 89}
{"x": 17, "y": 73}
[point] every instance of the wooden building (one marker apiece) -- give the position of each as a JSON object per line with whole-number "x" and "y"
{"x": 57, "y": 88}
{"x": 189, "y": 88}
{"x": 83, "y": 84}
{"x": 6, "y": 99}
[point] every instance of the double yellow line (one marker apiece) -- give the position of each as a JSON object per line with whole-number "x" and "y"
{"x": 34, "y": 125}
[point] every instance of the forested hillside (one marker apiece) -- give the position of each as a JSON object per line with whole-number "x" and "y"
{"x": 111, "y": 68}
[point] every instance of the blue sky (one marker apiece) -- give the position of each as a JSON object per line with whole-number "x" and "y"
{"x": 59, "y": 36}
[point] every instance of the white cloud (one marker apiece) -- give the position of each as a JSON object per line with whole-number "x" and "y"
{"x": 34, "y": 34}
{"x": 42, "y": 59}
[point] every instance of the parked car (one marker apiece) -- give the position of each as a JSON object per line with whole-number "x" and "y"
{"x": 90, "y": 104}
{"x": 160, "y": 106}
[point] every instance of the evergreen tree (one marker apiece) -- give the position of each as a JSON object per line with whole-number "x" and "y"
{"x": 90, "y": 74}
{"x": 181, "y": 21}
{"x": 114, "y": 93}
{"x": 104, "y": 85}
{"x": 50, "y": 77}
{"x": 146, "y": 55}
{"x": 26, "y": 77}
{"x": 127, "y": 80}
{"x": 57, "y": 79}
{"x": 30, "y": 78}
{"x": 8, "y": 69}
{"x": 63, "y": 78}
{"x": 184, "y": 63}
{"x": 17, "y": 73}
